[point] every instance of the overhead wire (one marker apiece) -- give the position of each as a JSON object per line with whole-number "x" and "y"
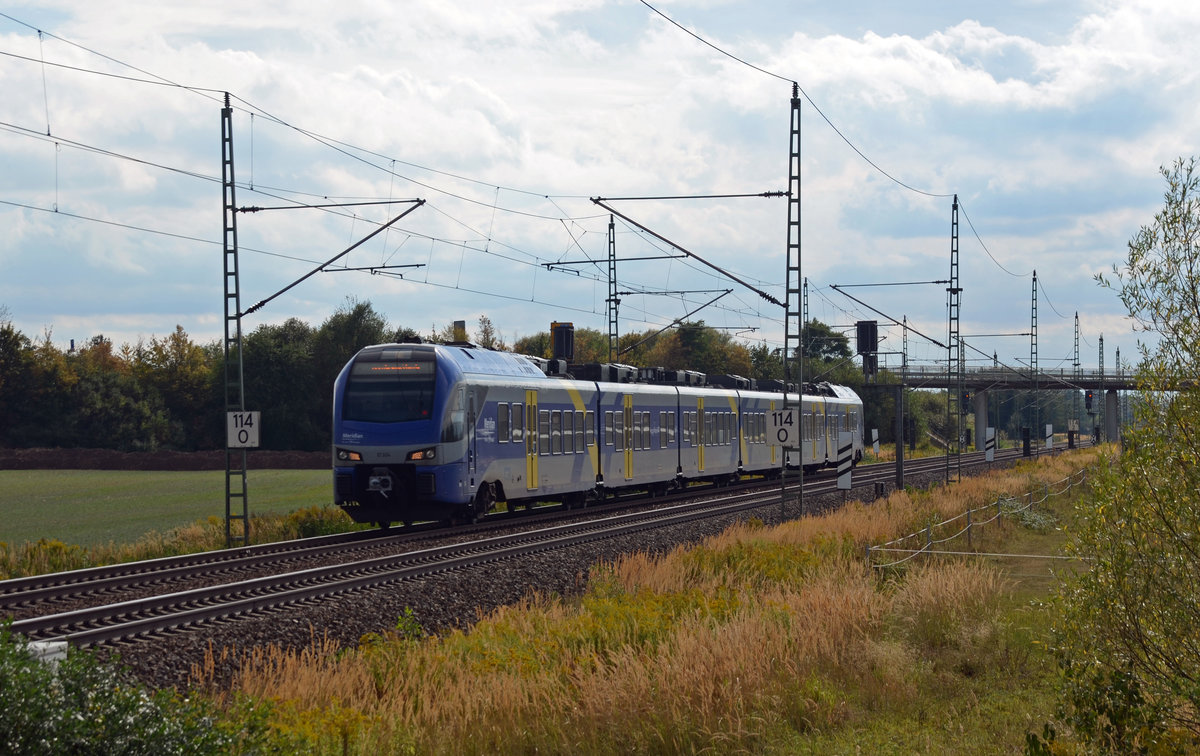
{"x": 800, "y": 89}
{"x": 354, "y": 152}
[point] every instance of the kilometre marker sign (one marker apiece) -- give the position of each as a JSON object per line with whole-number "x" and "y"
{"x": 241, "y": 429}
{"x": 783, "y": 427}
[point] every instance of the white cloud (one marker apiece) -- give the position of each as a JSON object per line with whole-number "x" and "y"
{"x": 1052, "y": 142}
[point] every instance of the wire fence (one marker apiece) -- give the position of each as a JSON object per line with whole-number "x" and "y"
{"x": 924, "y": 541}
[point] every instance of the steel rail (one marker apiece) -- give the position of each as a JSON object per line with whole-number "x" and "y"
{"x": 137, "y": 617}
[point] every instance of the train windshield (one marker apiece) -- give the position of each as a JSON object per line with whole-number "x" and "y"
{"x": 390, "y": 387}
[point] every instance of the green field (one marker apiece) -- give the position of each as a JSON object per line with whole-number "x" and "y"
{"x": 96, "y": 507}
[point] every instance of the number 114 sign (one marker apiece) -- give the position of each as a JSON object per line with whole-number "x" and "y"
{"x": 783, "y": 427}
{"x": 241, "y": 429}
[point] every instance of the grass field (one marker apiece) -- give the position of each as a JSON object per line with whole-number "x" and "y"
{"x": 96, "y": 507}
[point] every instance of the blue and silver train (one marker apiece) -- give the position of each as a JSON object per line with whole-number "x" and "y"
{"x": 444, "y": 432}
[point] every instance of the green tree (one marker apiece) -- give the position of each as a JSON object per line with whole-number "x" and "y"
{"x": 16, "y": 382}
{"x": 47, "y": 415}
{"x": 1128, "y": 639}
{"x": 819, "y": 341}
{"x": 487, "y": 337}
{"x": 181, "y": 372}
{"x": 282, "y": 382}
{"x": 355, "y": 325}
{"x": 536, "y": 345}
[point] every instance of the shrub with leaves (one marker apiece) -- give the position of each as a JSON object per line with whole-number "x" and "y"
{"x": 1127, "y": 641}
{"x": 83, "y": 706}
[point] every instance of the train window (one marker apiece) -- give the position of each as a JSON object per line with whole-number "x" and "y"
{"x": 662, "y": 430}
{"x": 579, "y": 440}
{"x": 531, "y": 436}
{"x": 384, "y": 389}
{"x": 568, "y": 432}
{"x": 556, "y": 428}
{"x": 502, "y": 423}
{"x": 455, "y": 424}
{"x": 590, "y": 423}
{"x": 618, "y": 434}
{"x": 518, "y": 422}
{"x": 609, "y": 435}
{"x": 687, "y": 430}
{"x": 544, "y": 431}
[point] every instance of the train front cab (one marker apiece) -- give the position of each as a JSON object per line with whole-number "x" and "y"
{"x": 389, "y": 407}
{"x": 407, "y": 430}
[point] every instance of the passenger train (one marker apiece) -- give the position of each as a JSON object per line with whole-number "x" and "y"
{"x": 444, "y": 432}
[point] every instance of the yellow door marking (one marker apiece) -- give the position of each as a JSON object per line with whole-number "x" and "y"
{"x": 531, "y": 439}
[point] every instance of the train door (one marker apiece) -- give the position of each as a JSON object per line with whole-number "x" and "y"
{"x": 700, "y": 436}
{"x": 628, "y": 414}
{"x": 531, "y": 439}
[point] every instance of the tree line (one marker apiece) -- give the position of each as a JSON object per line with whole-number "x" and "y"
{"x": 168, "y": 392}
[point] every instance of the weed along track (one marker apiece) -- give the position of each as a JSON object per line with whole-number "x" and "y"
{"x": 129, "y": 619}
{"x": 165, "y": 615}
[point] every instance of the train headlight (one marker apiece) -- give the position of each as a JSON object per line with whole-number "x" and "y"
{"x": 346, "y": 455}
{"x": 423, "y": 454}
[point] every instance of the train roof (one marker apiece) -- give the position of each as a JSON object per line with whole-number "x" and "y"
{"x": 470, "y": 359}
{"x": 467, "y": 358}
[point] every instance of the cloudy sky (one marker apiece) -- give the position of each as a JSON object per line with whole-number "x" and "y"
{"x": 1049, "y": 120}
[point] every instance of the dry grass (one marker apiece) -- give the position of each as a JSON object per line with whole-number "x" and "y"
{"x": 755, "y": 632}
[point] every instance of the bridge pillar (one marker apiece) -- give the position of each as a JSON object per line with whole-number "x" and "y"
{"x": 1112, "y": 416}
{"x": 980, "y": 399}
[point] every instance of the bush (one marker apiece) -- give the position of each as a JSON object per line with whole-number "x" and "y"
{"x": 84, "y": 706}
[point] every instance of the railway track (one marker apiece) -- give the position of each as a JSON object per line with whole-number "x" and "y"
{"x": 134, "y": 600}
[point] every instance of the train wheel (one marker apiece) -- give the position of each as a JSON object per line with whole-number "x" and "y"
{"x": 384, "y": 524}
{"x": 485, "y": 500}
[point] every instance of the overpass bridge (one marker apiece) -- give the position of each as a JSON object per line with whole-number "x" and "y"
{"x": 979, "y": 381}
{"x": 1009, "y": 379}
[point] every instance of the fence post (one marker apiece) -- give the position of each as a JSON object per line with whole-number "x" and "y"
{"x": 928, "y": 537}
{"x": 969, "y": 546}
